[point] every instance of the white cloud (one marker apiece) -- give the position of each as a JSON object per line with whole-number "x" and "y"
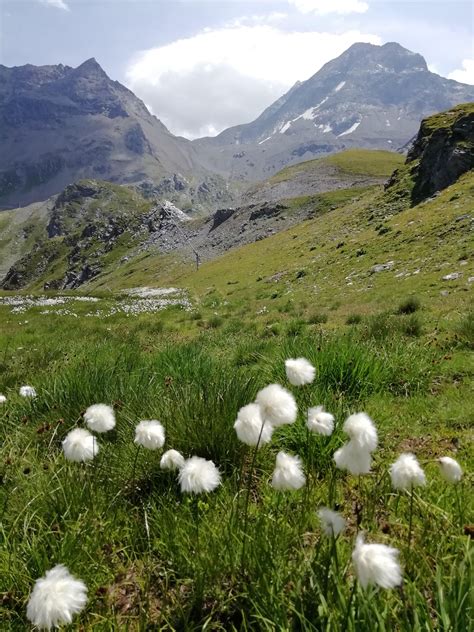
{"x": 464, "y": 74}
{"x": 56, "y": 4}
{"x": 226, "y": 76}
{"x": 324, "y": 7}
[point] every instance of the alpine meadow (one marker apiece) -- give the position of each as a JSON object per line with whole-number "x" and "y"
{"x": 236, "y": 371}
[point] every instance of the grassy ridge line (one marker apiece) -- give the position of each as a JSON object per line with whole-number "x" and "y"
{"x": 363, "y": 162}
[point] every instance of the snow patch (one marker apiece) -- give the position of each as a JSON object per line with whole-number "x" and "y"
{"x": 264, "y": 140}
{"x": 285, "y": 127}
{"x": 351, "y": 129}
{"x": 321, "y": 103}
{"x": 340, "y": 86}
{"x": 308, "y": 114}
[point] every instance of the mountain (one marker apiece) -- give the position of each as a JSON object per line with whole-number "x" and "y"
{"x": 371, "y": 96}
{"x": 60, "y": 124}
{"x": 100, "y": 233}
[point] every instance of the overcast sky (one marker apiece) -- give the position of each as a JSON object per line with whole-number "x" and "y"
{"x": 204, "y": 65}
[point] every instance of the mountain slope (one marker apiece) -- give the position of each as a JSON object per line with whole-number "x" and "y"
{"x": 351, "y": 168}
{"x": 94, "y": 227}
{"x": 103, "y": 233}
{"x": 60, "y": 124}
{"x": 371, "y": 96}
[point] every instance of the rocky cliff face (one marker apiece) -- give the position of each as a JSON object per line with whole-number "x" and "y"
{"x": 370, "y": 96}
{"x": 60, "y": 124}
{"x": 442, "y": 151}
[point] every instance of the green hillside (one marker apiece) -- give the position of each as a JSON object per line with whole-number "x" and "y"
{"x": 365, "y": 162}
{"x": 374, "y": 290}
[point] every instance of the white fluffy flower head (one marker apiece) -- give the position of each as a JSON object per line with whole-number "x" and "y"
{"x": 56, "y": 597}
{"x": 79, "y": 445}
{"x": 320, "y": 421}
{"x": 150, "y": 434}
{"x": 27, "y": 391}
{"x": 353, "y": 458}
{"x": 450, "y": 469}
{"x": 250, "y": 427}
{"x": 331, "y": 521}
{"x": 288, "y": 473}
{"x": 277, "y": 405}
{"x": 172, "y": 460}
{"x": 199, "y": 475}
{"x": 376, "y": 564}
{"x": 100, "y": 417}
{"x": 362, "y": 431}
{"x": 406, "y": 472}
{"x": 3, "y": 399}
{"x": 299, "y": 371}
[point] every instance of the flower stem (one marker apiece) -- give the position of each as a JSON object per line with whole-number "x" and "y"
{"x": 247, "y": 499}
{"x": 410, "y": 520}
{"x": 132, "y": 480}
{"x": 459, "y": 503}
{"x": 349, "y": 604}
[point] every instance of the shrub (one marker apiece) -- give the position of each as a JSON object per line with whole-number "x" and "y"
{"x": 318, "y": 318}
{"x": 381, "y": 326}
{"x": 214, "y": 322}
{"x": 412, "y": 326}
{"x": 353, "y": 319}
{"x": 295, "y": 327}
{"x": 409, "y": 305}
{"x": 465, "y": 330}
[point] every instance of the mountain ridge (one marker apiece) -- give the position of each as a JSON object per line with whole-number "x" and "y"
{"x": 370, "y": 96}
{"x": 60, "y": 124}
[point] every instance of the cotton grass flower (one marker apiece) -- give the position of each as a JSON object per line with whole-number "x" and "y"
{"x": 320, "y": 421}
{"x": 362, "y": 431}
{"x": 172, "y": 460}
{"x": 250, "y": 427}
{"x": 450, "y": 469}
{"x": 331, "y": 521}
{"x": 79, "y": 445}
{"x": 100, "y": 417}
{"x": 55, "y": 598}
{"x": 27, "y": 391}
{"x": 406, "y": 472}
{"x": 288, "y": 473}
{"x": 299, "y": 371}
{"x": 376, "y": 564}
{"x": 198, "y": 475}
{"x": 352, "y": 458}
{"x": 277, "y": 405}
{"x": 150, "y": 434}
{"x": 3, "y": 399}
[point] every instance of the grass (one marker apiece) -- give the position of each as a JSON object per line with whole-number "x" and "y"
{"x": 155, "y": 559}
{"x": 373, "y": 163}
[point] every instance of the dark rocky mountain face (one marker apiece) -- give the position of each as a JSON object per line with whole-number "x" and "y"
{"x": 370, "y": 96}
{"x": 442, "y": 152}
{"x": 59, "y": 124}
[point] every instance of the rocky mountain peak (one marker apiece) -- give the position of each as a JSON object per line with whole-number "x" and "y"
{"x": 370, "y": 96}
{"x": 90, "y": 67}
{"x": 390, "y": 57}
